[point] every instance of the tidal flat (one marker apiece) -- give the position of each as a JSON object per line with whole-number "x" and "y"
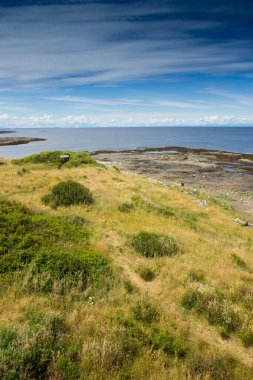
{"x": 224, "y": 174}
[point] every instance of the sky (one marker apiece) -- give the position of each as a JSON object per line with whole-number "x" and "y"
{"x": 126, "y": 63}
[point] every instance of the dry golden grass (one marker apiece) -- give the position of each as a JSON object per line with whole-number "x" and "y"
{"x": 206, "y": 248}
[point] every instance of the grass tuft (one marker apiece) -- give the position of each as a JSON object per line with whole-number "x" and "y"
{"x": 153, "y": 245}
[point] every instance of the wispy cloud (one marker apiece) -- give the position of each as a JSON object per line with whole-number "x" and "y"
{"x": 90, "y": 43}
{"x": 132, "y": 102}
{"x": 237, "y": 98}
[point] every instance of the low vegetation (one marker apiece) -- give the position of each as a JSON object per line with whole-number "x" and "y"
{"x": 146, "y": 273}
{"x": 126, "y": 207}
{"x": 153, "y": 245}
{"x": 53, "y": 159}
{"x": 67, "y": 194}
{"x": 143, "y": 283}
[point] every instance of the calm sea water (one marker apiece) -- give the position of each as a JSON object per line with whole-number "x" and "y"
{"x": 236, "y": 139}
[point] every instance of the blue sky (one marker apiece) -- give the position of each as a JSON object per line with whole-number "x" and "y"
{"x": 126, "y": 63}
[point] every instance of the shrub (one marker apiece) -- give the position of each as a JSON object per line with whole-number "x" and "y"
{"x": 53, "y": 159}
{"x": 23, "y": 171}
{"x": 7, "y": 337}
{"x": 247, "y": 338}
{"x": 207, "y": 365}
{"x": 146, "y": 274}
{"x": 170, "y": 344}
{"x": 60, "y": 271}
{"x": 126, "y": 207}
{"x": 23, "y": 234}
{"x": 68, "y": 193}
{"x": 145, "y": 312}
{"x": 153, "y": 245}
{"x": 53, "y": 252}
{"x": 214, "y": 307}
{"x": 28, "y": 356}
{"x": 68, "y": 361}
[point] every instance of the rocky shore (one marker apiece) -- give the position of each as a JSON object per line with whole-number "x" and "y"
{"x": 17, "y": 140}
{"x": 225, "y": 174}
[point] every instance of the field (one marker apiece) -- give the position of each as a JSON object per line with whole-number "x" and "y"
{"x": 83, "y": 296}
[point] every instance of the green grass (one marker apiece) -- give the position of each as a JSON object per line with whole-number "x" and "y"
{"x": 153, "y": 245}
{"x": 43, "y": 246}
{"x": 225, "y": 197}
{"x": 214, "y": 307}
{"x": 53, "y": 159}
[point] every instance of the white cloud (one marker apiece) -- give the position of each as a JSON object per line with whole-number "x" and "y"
{"x": 119, "y": 120}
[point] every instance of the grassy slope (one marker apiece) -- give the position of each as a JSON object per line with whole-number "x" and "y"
{"x": 98, "y": 327}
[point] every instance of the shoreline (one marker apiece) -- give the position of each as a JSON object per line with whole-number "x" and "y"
{"x": 224, "y": 174}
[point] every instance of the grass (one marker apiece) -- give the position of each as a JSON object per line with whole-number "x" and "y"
{"x": 225, "y": 197}
{"x": 146, "y": 273}
{"x": 126, "y": 207}
{"x": 153, "y": 245}
{"x": 53, "y": 159}
{"x": 214, "y": 307}
{"x": 78, "y": 303}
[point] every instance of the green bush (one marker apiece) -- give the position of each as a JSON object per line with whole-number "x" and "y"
{"x": 69, "y": 359}
{"x": 247, "y": 337}
{"x": 52, "y": 251}
{"x": 68, "y": 193}
{"x": 53, "y": 159}
{"x": 147, "y": 274}
{"x": 207, "y": 365}
{"x": 126, "y": 207}
{"x": 61, "y": 271}
{"x": 145, "y": 312}
{"x": 170, "y": 344}
{"x": 214, "y": 307}
{"x": 23, "y": 171}
{"x": 23, "y": 234}
{"x": 28, "y": 356}
{"x": 7, "y": 337}
{"x": 153, "y": 245}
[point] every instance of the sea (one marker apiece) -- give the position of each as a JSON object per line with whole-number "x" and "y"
{"x": 231, "y": 139}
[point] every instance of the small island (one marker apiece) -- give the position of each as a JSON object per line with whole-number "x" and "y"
{"x": 17, "y": 140}
{"x": 2, "y": 132}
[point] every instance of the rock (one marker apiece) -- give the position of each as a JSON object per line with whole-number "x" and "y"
{"x": 243, "y": 222}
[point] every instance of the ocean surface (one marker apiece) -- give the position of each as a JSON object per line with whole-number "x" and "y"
{"x": 234, "y": 139}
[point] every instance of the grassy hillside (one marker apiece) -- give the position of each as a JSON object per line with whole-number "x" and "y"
{"x": 142, "y": 283}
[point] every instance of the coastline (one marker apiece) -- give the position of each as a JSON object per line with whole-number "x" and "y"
{"x": 226, "y": 175}
{"x": 4, "y": 141}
